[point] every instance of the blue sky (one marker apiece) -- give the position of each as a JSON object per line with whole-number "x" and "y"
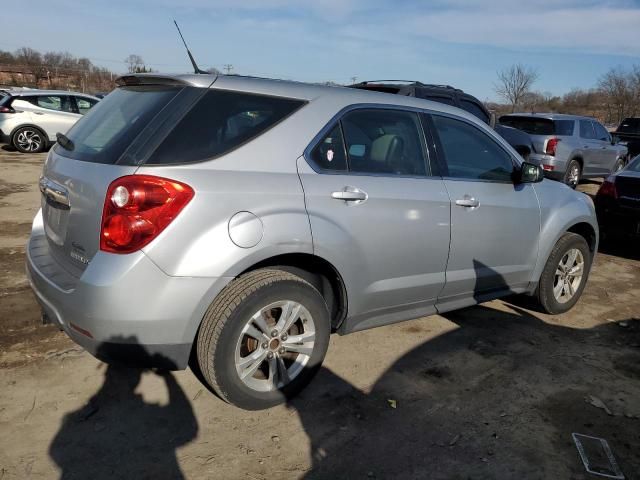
{"x": 460, "y": 42}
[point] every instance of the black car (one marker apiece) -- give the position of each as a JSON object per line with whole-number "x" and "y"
{"x": 629, "y": 132}
{"x": 449, "y": 95}
{"x": 618, "y": 202}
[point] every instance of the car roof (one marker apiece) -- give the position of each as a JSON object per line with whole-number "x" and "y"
{"x": 34, "y": 92}
{"x": 293, "y": 89}
{"x": 549, "y": 116}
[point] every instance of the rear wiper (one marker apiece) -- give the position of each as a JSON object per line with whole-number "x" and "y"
{"x": 64, "y": 141}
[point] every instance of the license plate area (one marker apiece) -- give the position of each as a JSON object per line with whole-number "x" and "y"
{"x": 56, "y": 220}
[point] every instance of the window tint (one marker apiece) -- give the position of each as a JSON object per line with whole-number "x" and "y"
{"x": 330, "y": 154}
{"x": 586, "y": 129}
{"x": 106, "y": 131}
{"x": 220, "y": 122}
{"x": 384, "y": 141}
{"x": 474, "y": 109}
{"x": 530, "y": 125}
{"x": 564, "y": 127}
{"x": 471, "y": 153}
{"x": 601, "y": 132}
{"x": 84, "y": 104}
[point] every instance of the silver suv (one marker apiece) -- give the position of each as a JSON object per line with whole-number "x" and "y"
{"x": 30, "y": 119}
{"x": 569, "y": 147}
{"x": 239, "y": 221}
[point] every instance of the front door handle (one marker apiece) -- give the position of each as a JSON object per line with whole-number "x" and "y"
{"x": 468, "y": 202}
{"x": 350, "y": 194}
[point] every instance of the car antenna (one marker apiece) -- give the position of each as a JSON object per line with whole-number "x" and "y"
{"x": 196, "y": 69}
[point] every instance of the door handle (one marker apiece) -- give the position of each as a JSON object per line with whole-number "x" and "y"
{"x": 38, "y": 113}
{"x": 468, "y": 202}
{"x": 350, "y": 194}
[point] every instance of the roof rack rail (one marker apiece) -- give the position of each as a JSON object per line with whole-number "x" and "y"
{"x": 412, "y": 82}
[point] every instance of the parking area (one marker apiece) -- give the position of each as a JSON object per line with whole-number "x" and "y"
{"x": 492, "y": 391}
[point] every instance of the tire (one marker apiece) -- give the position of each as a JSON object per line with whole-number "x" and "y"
{"x": 250, "y": 307}
{"x": 550, "y": 279}
{"x": 619, "y": 165}
{"x": 573, "y": 174}
{"x": 29, "y": 140}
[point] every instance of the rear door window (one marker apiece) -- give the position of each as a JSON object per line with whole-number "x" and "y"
{"x": 220, "y": 122}
{"x": 586, "y": 129}
{"x": 84, "y": 104}
{"x": 564, "y": 127}
{"x": 384, "y": 142}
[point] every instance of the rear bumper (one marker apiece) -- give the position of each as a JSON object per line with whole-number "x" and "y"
{"x": 123, "y": 308}
{"x": 553, "y": 167}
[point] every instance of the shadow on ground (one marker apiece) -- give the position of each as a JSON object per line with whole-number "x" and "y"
{"x": 118, "y": 435}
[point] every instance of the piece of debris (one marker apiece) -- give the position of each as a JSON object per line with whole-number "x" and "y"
{"x": 597, "y": 457}
{"x": 198, "y": 393}
{"x": 596, "y": 402}
{"x": 624, "y": 323}
{"x": 454, "y": 440}
{"x": 275, "y": 438}
{"x": 392, "y": 403}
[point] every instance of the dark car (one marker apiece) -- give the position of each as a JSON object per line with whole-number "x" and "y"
{"x": 629, "y": 132}
{"x": 618, "y": 202}
{"x": 456, "y": 97}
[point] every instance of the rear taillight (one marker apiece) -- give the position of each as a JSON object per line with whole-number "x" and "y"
{"x": 608, "y": 188}
{"x": 137, "y": 208}
{"x": 7, "y": 110}
{"x": 551, "y": 146}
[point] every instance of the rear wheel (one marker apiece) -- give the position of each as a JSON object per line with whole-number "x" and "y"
{"x": 263, "y": 339}
{"x": 565, "y": 274}
{"x": 29, "y": 140}
{"x": 573, "y": 173}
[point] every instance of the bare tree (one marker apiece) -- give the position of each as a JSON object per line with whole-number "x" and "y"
{"x": 514, "y": 83}
{"x": 135, "y": 63}
{"x": 618, "y": 90}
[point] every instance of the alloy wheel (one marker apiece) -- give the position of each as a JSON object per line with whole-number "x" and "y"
{"x": 568, "y": 275}
{"x": 29, "y": 140}
{"x": 275, "y": 345}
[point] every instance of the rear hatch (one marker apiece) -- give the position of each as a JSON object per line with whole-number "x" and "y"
{"x": 540, "y": 129}
{"x": 628, "y": 187}
{"x": 107, "y": 143}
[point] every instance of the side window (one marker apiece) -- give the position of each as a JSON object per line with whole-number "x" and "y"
{"x": 471, "y": 153}
{"x": 84, "y": 104}
{"x": 384, "y": 141}
{"x": 564, "y": 127}
{"x": 586, "y": 129}
{"x": 601, "y": 132}
{"x": 329, "y": 154}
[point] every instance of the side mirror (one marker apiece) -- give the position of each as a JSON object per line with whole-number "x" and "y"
{"x": 530, "y": 173}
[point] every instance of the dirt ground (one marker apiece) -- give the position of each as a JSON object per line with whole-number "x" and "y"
{"x": 493, "y": 391}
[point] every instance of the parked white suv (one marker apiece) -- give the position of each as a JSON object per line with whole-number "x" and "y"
{"x": 30, "y": 119}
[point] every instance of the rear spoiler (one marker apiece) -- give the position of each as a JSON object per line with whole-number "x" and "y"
{"x": 141, "y": 79}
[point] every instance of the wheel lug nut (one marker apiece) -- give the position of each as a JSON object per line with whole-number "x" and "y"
{"x": 274, "y": 333}
{"x": 284, "y": 337}
{"x": 265, "y": 345}
{"x": 270, "y": 355}
{"x": 281, "y": 350}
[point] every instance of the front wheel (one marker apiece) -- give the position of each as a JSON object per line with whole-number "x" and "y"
{"x": 572, "y": 175}
{"x": 565, "y": 274}
{"x": 263, "y": 339}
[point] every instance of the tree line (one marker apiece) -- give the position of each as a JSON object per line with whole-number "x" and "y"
{"x": 615, "y": 96}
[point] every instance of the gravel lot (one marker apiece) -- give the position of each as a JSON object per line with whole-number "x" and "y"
{"x": 493, "y": 391}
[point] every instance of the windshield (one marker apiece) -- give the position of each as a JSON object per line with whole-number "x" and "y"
{"x": 106, "y": 131}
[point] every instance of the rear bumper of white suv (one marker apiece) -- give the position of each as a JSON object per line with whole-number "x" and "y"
{"x": 123, "y": 308}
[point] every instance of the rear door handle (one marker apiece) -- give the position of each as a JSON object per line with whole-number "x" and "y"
{"x": 350, "y": 194}
{"x": 468, "y": 202}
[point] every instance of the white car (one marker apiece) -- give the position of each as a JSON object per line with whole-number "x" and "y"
{"x": 30, "y": 119}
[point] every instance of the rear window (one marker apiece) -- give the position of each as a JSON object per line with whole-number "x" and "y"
{"x": 221, "y": 121}
{"x": 539, "y": 126}
{"x": 106, "y": 131}
{"x": 630, "y": 125}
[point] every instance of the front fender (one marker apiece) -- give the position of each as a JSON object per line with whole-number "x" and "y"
{"x": 561, "y": 208}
